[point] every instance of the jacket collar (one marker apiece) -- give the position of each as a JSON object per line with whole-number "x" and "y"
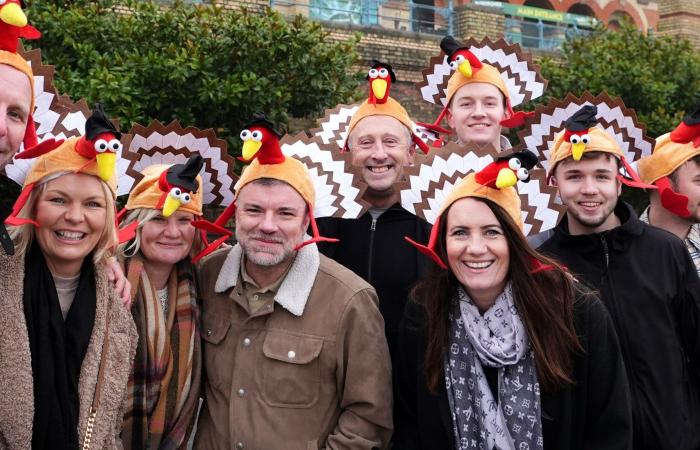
{"x": 296, "y": 287}
{"x": 630, "y": 226}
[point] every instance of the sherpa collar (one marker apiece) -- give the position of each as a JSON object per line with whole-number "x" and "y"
{"x": 296, "y": 287}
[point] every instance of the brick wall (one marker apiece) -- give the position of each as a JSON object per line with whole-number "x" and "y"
{"x": 476, "y": 21}
{"x": 680, "y": 18}
{"x": 409, "y": 53}
{"x": 251, "y": 5}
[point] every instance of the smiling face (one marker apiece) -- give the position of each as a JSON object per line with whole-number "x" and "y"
{"x": 167, "y": 241}
{"x": 271, "y": 220}
{"x": 589, "y": 189}
{"x": 71, "y": 212}
{"x": 475, "y": 113}
{"x": 381, "y": 146}
{"x": 15, "y": 100}
{"x": 477, "y": 250}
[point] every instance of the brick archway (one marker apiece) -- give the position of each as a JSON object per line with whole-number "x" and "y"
{"x": 582, "y": 9}
{"x": 616, "y": 7}
{"x": 602, "y": 14}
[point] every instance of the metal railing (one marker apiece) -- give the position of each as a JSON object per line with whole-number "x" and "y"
{"x": 404, "y": 16}
{"x": 541, "y": 35}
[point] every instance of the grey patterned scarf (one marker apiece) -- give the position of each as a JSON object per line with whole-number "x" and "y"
{"x": 496, "y": 339}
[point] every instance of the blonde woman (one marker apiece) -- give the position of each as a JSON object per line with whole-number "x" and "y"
{"x": 67, "y": 341}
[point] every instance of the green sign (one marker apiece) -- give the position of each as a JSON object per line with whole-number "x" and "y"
{"x": 546, "y": 15}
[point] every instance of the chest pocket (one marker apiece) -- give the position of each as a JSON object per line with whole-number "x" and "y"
{"x": 217, "y": 360}
{"x": 290, "y": 370}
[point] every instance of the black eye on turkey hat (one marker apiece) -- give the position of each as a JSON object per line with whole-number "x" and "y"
{"x": 380, "y": 65}
{"x": 526, "y": 157}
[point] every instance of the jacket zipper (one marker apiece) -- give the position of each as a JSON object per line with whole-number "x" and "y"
{"x": 622, "y": 337}
{"x": 372, "y": 229}
{"x": 605, "y": 251}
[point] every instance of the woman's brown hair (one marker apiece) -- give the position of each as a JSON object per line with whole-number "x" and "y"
{"x": 545, "y": 301}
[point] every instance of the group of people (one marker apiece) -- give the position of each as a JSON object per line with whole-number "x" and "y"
{"x": 374, "y": 332}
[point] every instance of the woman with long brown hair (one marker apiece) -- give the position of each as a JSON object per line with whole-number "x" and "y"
{"x": 500, "y": 347}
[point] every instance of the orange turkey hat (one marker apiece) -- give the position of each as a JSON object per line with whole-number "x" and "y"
{"x": 671, "y": 151}
{"x": 262, "y": 149}
{"x": 13, "y": 26}
{"x": 495, "y": 182}
{"x": 59, "y": 156}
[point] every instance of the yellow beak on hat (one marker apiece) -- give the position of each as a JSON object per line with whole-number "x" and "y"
{"x": 506, "y": 178}
{"x": 465, "y": 69}
{"x": 379, "y": 88}
{"x": 106, "y": 162}
{"x": 12, "y": 14}
{"x": 577, "y": 150}
{"x": 250, "y": 148}
{"x": 170, "y": 206}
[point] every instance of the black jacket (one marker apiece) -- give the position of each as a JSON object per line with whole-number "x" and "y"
{"x": 9, "y": 191}
{"x": 594, "y": 413}
{"x": 378, "y": 252}
{"x": 648, "y": 282}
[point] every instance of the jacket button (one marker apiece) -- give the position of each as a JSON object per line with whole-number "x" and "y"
{"x": 208, "y": 332}
{"x": 239, "y": 445}
{"x": 241, "y": 392}
{"x": 246, "y": 342}
{"x": 291, "y": 354}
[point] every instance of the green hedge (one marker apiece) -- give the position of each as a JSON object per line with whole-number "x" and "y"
{"x": 657, "y": 76}
{"x": 203, "y": 65}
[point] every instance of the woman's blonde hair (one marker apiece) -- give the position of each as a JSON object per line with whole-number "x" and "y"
{"x": 23, "y": 235}
{"x": 143, "y": 216}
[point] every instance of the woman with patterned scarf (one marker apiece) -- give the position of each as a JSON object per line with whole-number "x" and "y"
{"x": 163, "y": 390}
{"x": 500, "y": 348}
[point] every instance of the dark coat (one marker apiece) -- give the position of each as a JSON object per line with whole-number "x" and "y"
{"x": 16, "y": 380}
{"x": 594, "y": 413}
{"x": 649, "y": 285}
{"x": 379, "y": 254}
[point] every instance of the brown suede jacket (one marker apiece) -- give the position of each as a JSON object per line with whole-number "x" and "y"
{"x": 309, "y": 369}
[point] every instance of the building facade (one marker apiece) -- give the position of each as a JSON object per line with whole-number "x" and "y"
{"x": 406, "y": 33}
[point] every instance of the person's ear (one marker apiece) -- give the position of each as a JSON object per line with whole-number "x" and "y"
{"x": 411, "y": 154}
{"x": 450, "y": 118}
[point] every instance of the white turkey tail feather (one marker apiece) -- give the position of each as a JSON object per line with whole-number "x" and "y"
{"x": 174, "y": 144}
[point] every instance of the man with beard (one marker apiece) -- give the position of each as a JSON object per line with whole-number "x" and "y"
{"x": 645, "y": 278}
{"x": 382, "y": 144}
{"x": 674, "y": 167}
{"x": 294, "y": 350}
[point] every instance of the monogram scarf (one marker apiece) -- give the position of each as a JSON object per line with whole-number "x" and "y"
{"x": 495, "y": 339}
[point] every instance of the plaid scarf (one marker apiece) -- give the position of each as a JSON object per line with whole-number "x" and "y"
{"x": 163, "y": 389}
{"x": 510, "y": 419}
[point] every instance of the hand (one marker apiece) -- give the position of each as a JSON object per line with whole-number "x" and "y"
{"x": 115, "y": 274}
